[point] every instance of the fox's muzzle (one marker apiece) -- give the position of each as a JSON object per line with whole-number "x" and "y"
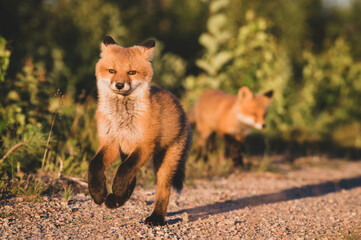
{"x": 122, "y": 88}
{"x": 119, "y": 85}
{"x": 250, "y": 121}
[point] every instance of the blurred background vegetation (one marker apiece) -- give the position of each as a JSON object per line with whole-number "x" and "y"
{"x": 307, "y": 51}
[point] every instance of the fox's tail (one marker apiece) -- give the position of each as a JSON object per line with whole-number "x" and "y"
{"x": 178, "y": 177}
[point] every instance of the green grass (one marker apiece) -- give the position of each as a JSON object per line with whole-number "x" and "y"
{"x": 267, "y": 165}
{"x": 67, "y": 193}
{"x": 30, "y": 188}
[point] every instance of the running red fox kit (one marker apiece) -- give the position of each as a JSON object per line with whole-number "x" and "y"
{"x": 136, "y": 122}
{"x": 228, "y": 115}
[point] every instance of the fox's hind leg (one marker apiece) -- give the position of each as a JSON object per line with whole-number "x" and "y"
{"x": 233, "y": 150}
{"x": 169, "y": 166}
{"x": 105, "y": 156}
{"x": 201, "y": 146}
{"x": 212, "y": 143}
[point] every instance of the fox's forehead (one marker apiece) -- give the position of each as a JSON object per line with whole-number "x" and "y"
{"x": 257, "y": 104}
{"x": 253, "y": 107}
{"x": 123, "y": 58}
{"x": 119, "y": 52}
{"x": 263, "y": 100}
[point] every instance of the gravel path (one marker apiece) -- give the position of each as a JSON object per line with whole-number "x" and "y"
{"x": 311, "y": 202}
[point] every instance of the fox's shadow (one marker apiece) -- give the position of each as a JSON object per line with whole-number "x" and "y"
{"x": 313, "y": 190}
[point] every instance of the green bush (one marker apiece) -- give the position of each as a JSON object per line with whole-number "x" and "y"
{"x": 46, "y": 131}
{"x": 327, "y": 104}
{"x": 47, "y": 98}
{"x": 249, "y": 56}
{"x": 4, "y": 59}
{"x": 320, "y": 107}
{"x": 23, "y": 113}
{"x": 41, "y": 130}
{"x": 169, "y": 70}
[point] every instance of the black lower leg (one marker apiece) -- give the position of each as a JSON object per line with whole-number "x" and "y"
{"x": 96, "y": 179}
{"x": 233, "y": 150}
{"x": 118, "y": 198}
{"x": 124, "y": 182}
{"x": 155, "y": 219}
{"x": 212, "y": 143}
{"x": 199, "y": 153}
{"x": 160, "y": 208}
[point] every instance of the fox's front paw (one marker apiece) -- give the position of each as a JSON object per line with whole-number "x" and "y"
{"x": 118, "y": 198}
{"x": 155, "y": 219}
{"x": 97, "y": 188}
{"x": 113, "y": 201}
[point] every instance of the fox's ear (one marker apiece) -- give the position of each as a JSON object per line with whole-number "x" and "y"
{"x": 108, "y": 40}
{"x": 148, "y": 47}
{"x": 148, "y": 44}
{"x": 245, "y": 94}
{"x": 269, "y": 94}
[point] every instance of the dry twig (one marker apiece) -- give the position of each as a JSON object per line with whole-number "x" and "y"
{"x": 76, "y": 180}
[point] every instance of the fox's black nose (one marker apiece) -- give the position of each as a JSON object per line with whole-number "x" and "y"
{"x": 119, "y": 85}
{"x": 264, "y": 126}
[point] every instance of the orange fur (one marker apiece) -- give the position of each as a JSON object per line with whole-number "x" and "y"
{"x": 228, "y": 115}
{"x": 138, "y": 122}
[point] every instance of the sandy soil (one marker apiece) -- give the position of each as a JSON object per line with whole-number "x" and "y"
{"x": 322, "y": 202}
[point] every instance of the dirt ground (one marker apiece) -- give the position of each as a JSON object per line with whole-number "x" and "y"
{"x": 322, "y": 201}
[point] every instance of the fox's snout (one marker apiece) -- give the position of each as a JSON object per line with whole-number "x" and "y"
{"x": 119, "y": 85}
{"x": 259, "y": 126}
{"x": 251, "y": 121}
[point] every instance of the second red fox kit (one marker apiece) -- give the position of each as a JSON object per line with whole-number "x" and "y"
{"x": 228, "y": 115}
{"x": 136, "y": 122}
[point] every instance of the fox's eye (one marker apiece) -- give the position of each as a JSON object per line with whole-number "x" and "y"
{"x": 132, "y": 72}
{"x": 112, "y": 71}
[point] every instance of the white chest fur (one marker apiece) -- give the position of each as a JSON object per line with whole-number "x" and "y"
{"x": 122, "y": 124}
